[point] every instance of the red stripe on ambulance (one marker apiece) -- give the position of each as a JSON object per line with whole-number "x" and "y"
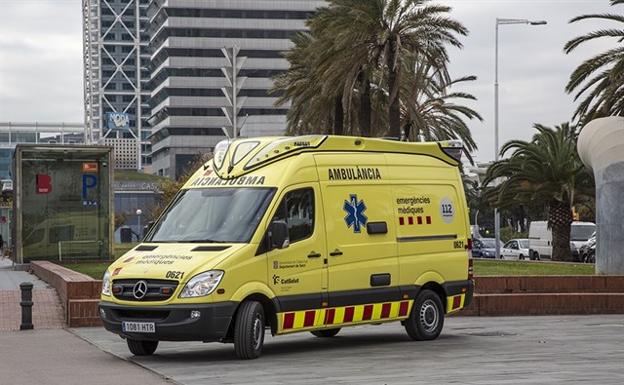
{"x": 348, "y": 315}
{"x": 403, "y": 308}
{"x": 329, "y": 316}
{"x": 385, "y": 310}
{"x": 309, "y": 318}
{"x": 289, "y": 320}
{"x": 456, "y": 301}
{"x": 368, "y": 313}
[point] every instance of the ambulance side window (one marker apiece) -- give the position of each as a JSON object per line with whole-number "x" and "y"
{"x": 297, "y": 210}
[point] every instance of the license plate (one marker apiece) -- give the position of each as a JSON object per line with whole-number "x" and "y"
{"x": 138, "y": 327}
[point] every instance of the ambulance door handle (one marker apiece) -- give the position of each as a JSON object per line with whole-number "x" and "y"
{"x": 314, "y": 255}
{"x": 335, "y": 253}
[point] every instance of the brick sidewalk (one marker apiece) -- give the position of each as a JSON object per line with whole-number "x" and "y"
{"x": 47, "y": 310}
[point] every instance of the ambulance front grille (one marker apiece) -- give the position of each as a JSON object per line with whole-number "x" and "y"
{"x": 157, "y": 289}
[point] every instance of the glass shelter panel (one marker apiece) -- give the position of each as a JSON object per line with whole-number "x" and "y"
{"x": 65, "y": 200}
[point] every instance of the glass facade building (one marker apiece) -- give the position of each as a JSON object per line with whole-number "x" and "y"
{"x": 186, "y": 38}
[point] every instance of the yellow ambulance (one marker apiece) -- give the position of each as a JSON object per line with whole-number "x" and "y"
{"x": 292, "y": 234}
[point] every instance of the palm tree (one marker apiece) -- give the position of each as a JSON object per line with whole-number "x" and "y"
{"x": 599, "y": 80}
{"x": 363, "y": 36}
{"x": 546, "y": 169}
{"x": 312, "y": 108}
{"x": 432, "y": 113}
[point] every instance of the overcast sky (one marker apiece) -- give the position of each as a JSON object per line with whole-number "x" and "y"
{"x": 41, "y": 61}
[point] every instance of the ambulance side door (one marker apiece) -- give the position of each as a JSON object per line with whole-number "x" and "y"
{"x": 296, "y": 272}
{"x": 361, "y": 246}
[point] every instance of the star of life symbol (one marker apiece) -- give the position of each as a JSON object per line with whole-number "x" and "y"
{"x": 355, "y": 213}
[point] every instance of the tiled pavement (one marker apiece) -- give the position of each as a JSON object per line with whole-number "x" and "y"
{"x": 47, "y": 309}
{"x": 544, "y": 350}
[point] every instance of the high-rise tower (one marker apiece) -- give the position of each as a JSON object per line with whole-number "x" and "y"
{"x": 116, "y": 59}
{"x": 188, "y": 83}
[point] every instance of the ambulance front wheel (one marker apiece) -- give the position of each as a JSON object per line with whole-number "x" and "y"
{"x": 142, "y": 348}
{"x": 249, "y": 330}
{"x": 326, "y": 333}
{"x": 427, "y": 317}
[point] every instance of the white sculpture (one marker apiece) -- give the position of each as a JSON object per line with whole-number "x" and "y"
{"x": 601, "y": 148}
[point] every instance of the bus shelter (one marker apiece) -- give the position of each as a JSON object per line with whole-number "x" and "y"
{"x": 63, "y": 203}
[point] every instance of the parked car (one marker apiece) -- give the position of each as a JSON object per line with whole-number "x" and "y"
{"x": 485, "y": 248}
{"x": 580, "y": 234}
{"x": 587, "y": 252}
{"x": 516, "y": 249}
{"x": 540, "y": 238}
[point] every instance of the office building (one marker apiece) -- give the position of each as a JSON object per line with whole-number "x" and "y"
{"x": 116, "y": 76}
{"x": 187, "y": 96}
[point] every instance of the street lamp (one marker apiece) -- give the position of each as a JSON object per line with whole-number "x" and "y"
{"x": 140, "y": 232}
{"x": 496, "y": 156}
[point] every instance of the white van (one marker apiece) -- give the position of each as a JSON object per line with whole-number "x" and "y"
{"x": 540, "y": 238}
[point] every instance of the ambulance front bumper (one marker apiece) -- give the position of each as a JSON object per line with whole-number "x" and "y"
{"x": 200, "y": 322}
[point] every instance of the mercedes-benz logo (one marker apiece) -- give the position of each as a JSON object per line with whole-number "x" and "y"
{"x": 139, "y": 290}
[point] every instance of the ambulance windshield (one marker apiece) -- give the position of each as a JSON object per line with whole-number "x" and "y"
{"x": 215, "y": 215}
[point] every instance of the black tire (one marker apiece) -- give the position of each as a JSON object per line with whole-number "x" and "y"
{"x": 536, "y": 256}
{"x": 521, "y": 257}
{"x": 326, "y": 333}
{"x": 249, "y": 330}
{"x": 142, "y": 348}
{"x": 426, "y": 320}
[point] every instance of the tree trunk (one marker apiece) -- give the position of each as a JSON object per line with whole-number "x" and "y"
{"x": 560, "y": 221}
{"x": 338, "y": 116}
{"x": 365, "y": 106}
{"x": 407, "y": 131}
{"x": 394, "y": 112}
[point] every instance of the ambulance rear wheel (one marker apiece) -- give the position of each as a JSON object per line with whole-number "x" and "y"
{"x": 427, "y": 317}
{"x": 142, "y": 348}
{"x": 249, "y": 330}
{"x": 326, "y": 333}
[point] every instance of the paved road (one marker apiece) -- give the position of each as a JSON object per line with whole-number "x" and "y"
{"x": 471, "y": 350}
{"x": 54, "y": 357}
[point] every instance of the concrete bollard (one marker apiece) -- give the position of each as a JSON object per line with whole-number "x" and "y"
{"x": 26, "y": 304}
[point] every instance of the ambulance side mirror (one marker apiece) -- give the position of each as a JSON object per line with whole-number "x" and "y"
{"x": 278, "y": 235}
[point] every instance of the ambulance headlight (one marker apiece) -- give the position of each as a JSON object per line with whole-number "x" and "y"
{"x": 202, "y": 284}
{"x": 106, "y": 284}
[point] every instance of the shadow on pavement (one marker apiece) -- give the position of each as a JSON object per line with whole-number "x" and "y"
{"x": 275, "y": 347}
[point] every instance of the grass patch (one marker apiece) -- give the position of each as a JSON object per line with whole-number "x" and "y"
{"x": 482, "y": 267}
{"x": 96, "y": 269}
{"x": 492, "y": 268}
{"x": 121, "y": 249}
{"x": 92, "y": 269}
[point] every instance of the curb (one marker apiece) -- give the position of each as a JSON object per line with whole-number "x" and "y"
{"x": 168, "y": 379}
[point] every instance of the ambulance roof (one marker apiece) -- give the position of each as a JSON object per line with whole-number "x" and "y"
{"x": 234, "y": 158}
